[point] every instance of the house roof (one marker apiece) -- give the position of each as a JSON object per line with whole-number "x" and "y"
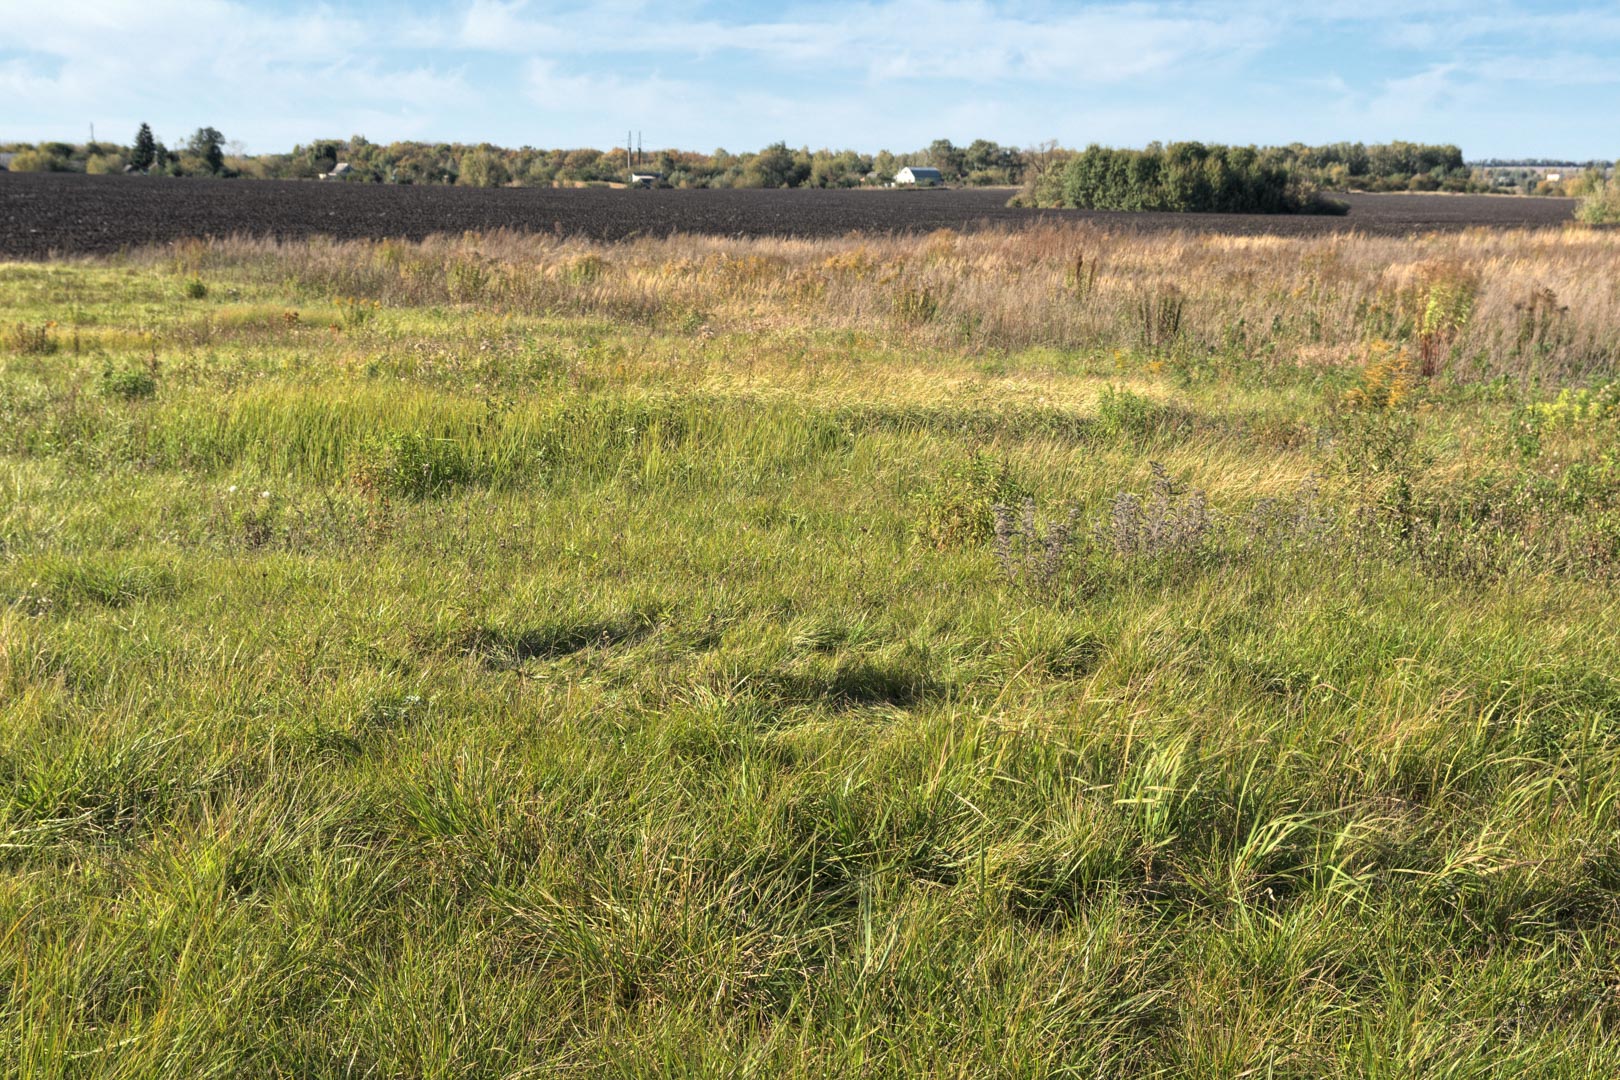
{"x": 921, "y": 172}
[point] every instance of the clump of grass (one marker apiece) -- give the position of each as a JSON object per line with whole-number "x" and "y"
{"x": 411, "y": 464}
{"x": 1160, "y": 312}
{"x": 251, "y": 518}
{"x": 354, "y": 312}
{"x": 509, "y": 644}
{"x": 34, "y": 339}
{"x": 958, "y": 508}
{"x": 584, "y": 270}
{"x": 131, "y": 383}
{"x": 915, "y": 304}
{"x": 1124, "y": 413}
{"x": 195, "y": 288}
{"x": 113, "y": 582}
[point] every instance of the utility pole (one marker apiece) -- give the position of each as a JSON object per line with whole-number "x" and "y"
{"x": 629, "y": 161}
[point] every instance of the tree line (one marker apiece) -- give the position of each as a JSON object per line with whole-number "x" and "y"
{"x": 981, "y": 162}
{"x": 1237, "y": 173}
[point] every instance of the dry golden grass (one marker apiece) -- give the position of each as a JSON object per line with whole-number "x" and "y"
{"x": 1541, "y": 304}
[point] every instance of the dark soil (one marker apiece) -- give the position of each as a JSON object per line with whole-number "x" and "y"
{"x": 70, "y": 214}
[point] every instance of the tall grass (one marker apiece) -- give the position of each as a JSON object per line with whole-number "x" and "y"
{"x": 1536, "y": 303}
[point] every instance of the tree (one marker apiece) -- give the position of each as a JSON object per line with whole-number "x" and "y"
{"x": 945, "y": 157}
{"x": 144, "y": 156}
{"x": 884, "y": 166}
{"x": 482, "y": 168}
{"x": 772, "y": 167}
{"x": 323, "y": 155}
{"x": 208, "y": 144}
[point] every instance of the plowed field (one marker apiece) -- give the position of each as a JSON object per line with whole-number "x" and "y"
{"x": 43, "y": 214}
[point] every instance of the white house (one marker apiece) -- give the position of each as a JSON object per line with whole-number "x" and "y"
{"x": 918, "y": 174}
{"x": 339, "y": 171}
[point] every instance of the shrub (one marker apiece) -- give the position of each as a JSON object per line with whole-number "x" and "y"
{"x": 960, "y": 506}
{"x": 1388, "y": 381}
{"x": 1127, "y": 413}
{"x": 1601, "y": 206}
{"x": 38, "y": 161}
{"x": 1159, "y": 315}
{"x": 195, "y": 289}
{"x": 1573, "y": 408}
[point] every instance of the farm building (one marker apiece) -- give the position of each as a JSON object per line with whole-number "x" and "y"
{"x": 918, "y": 174}
{"x": 645, "y": 179}
{"x": 5, "y": 162}
{"x": 339, "y": 171}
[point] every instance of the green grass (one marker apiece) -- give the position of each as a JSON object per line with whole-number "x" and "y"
{"x": 445, "y": 692}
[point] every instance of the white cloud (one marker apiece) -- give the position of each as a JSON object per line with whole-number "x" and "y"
{"x": 969, "y": 40}
{"x": 847, "y": 72}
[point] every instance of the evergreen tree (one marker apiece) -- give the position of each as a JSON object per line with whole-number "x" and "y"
{"x": 145, "y": 153}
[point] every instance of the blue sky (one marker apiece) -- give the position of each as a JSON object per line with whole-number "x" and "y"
{"x": 1498, "y": 77}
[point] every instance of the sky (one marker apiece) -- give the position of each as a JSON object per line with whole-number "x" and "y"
{"x": 1500, "y": 78}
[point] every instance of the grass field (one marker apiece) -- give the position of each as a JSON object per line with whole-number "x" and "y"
{"x": 1057, "y": 653}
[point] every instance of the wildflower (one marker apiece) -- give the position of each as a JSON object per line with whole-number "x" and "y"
{"x": 264, "y": 494}
{"x": 231, "y": 490}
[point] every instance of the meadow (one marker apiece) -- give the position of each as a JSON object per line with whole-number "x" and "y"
{"x": 1063, "y": 652}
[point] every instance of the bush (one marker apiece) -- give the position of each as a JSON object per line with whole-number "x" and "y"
{"x": 195, "y": 289}
{"x": 960, "y": 506}
{"x": 38, "y": 161}
{"x": 1123, "y": 413}
{"x": 1601, "y": 206}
